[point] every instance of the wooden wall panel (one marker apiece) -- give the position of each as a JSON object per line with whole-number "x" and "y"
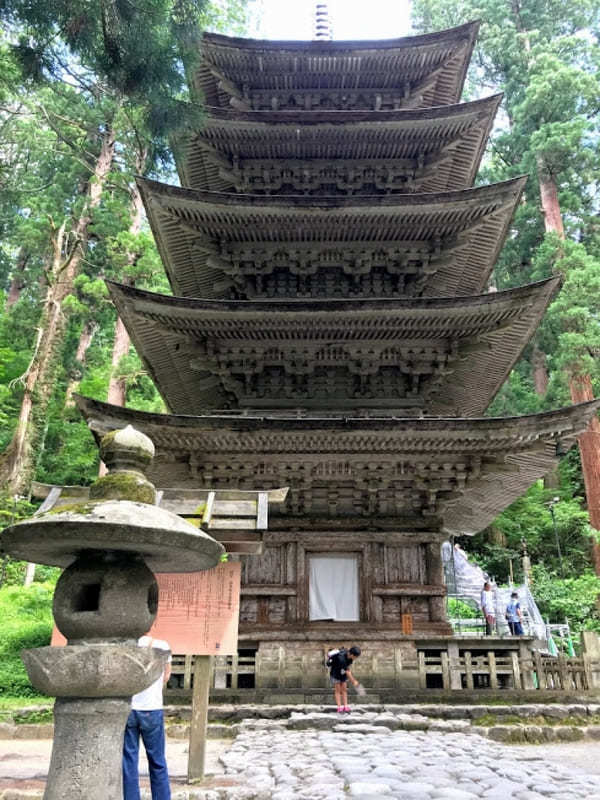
{"x": 417, "y": 606}
{"x": 266, "y": 568}
{"x": 248, "y": 609}
{"x": 406, "y": 564}
{"x": 277, "y": 610}
{"x": 391, "y": 610}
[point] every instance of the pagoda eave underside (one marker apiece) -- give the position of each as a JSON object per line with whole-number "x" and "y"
{"x": 426, "y": 70}
{"x": 453, "y": 475}
{"x": 445, "y": 356}
{"x": 427, "y": 150}
{"x": 445, "y": 243}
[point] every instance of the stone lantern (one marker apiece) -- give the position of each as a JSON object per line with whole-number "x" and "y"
{"x": 106, "y": 598}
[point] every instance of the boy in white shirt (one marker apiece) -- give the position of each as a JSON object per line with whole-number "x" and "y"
{"x": 146, "y": 719}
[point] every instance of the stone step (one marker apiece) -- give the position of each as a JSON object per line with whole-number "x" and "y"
{"x": 235, "y": 713}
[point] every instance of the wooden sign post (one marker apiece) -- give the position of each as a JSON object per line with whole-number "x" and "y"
{"x": 198, "y": 615}
{"x": 197, "y": 748}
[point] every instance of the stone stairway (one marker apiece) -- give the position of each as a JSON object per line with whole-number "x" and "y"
{"x": 534, "y": 723}
{"x": 512, "y": 723}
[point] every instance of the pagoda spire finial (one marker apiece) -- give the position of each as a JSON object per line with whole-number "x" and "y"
{"x": 322, "y": 30}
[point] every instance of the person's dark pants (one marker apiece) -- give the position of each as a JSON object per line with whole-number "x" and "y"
{"x": 151, "y": 727}
{"x": 516, "y": 628}
{"x": 489, "y": 627}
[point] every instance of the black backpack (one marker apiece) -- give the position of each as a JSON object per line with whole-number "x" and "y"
{"x": 333, "y": 655}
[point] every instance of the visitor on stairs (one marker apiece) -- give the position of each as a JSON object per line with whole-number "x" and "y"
{"x": 146, "y": 719}
{"x": 339, "y": 662}
{"x": 488, "y": 608}
{"x": 514, "y": 615}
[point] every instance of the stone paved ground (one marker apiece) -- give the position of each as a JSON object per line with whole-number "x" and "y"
{"x": 408, "y": 765}
{"x": 271, "y": 761}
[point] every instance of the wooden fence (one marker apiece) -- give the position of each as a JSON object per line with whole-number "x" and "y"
{"x": 505, "y": 670}
{"x": 562, "y": 673}
{"x": 227, "y": 671}
{"x": 471, "y": 669}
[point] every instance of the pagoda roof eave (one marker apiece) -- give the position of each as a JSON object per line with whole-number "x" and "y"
{"x": 181, "y": 217}
{"x": 257, "y": 133}
{"x": 326, "y": 307}
{"x": 288, "y": 203}
{"x": 228, "y": 63}
{"x": 336, "y": 117}
{"x": 103, "y": 417}
{"x": 470, "y": 28}
{"x": 171, "y": 333}
{"x": 498, "y": 458}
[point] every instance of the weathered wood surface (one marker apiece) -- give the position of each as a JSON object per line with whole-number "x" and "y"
{"x": 389, "y": 665}
{"x": 197, "y": 746}
{"x": 424, "y": 70}
{"x": 492, "y": 462}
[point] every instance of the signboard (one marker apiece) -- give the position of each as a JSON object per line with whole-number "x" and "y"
{"x": 197, "y": 611}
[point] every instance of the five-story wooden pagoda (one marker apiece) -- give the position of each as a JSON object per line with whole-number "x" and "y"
{"x": 331, "y": 331}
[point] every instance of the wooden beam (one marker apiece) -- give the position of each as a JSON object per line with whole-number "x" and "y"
{"x": 262, "y": 513}
{"x": 229, "y": 536}
{"x": 410, "y": 589}
{"x": 245, "y": 548}
{"x": 269, "y": 589}
{"x": 197, "y": 746}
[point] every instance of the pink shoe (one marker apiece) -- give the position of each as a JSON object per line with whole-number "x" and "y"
{"x": 341, "y": 709}
{"x": 346, "y": 709}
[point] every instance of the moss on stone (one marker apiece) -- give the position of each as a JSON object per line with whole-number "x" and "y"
{"x": 33, "y": 716}
{"x": 197, "y": 521}
{"x": 74, "y": 508}
{"x": 123, "y": 486}
{"x": 106, "y": 445}
{"x": 573, "y": 721}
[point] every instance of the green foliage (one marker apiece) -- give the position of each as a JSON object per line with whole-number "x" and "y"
{"x": 529, "y": 520}
{"x": 458, "y": 609}
{"x": 34, "y": 716}
{"x": 135, "y": 49}
{"x": 573, "y": 598}
{"x": 26, "y": 615}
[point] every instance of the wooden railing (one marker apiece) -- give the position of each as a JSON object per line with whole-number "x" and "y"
{"x": 471, "y": 669}
{"x": 562, "y": 673}
{"x": 508, "y": 670}
{"x": 226, "y": 671}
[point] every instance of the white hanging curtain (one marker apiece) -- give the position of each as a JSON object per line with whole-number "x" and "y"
{"x": 333, "y": 588}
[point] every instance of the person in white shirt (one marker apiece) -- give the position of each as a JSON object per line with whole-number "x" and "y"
{"x": 146, "y": 719}
{"x": 488, "y": 607}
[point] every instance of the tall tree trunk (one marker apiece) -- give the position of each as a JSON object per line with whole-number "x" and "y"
{"x": 540, "y": 371}
{"x": 589, "y": 449}
{"x": 580, "y": 385}
{"x": 549, "y": 198}
{"x": 117, "y": 387}
{"x": 18, "y": 279}
{"x": 17, "y": 463}
{"x": 86, "y": 337}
